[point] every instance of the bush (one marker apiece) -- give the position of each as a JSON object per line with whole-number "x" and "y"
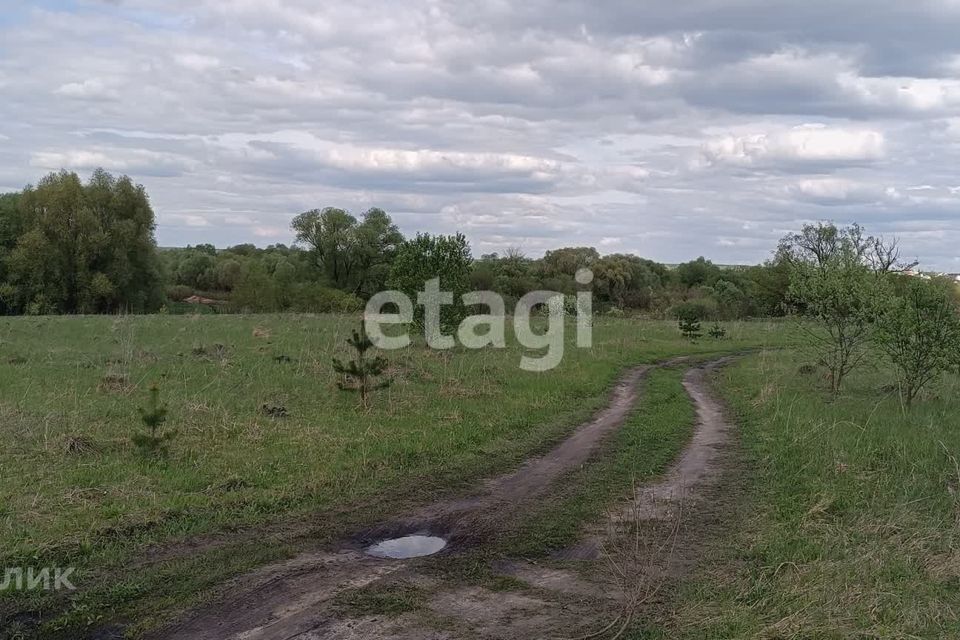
{"x": 690, "y": 328}
{"x": 919, "y": 333}
{"x": 179, "y": 292}
{"x": 315, "y": 298}
{"x": 701, "y": 309}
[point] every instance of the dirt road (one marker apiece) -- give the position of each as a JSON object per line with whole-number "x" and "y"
{"x": 295, "y": 599}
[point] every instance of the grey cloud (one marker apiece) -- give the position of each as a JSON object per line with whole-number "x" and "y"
{"x": 668, "y": 129}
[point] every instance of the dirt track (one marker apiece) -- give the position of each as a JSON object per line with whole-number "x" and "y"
{"x": 294, "y": 599}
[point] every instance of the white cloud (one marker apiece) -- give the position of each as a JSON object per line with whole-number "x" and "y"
{"x": 836, "y": 191}
{"x": 805, "y": 144}
{"x": 141, "y": 161}
{"x": 197, "y": 61}
{"x": 90, "y": 89}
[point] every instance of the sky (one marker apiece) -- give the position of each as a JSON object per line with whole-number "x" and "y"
{"x": 666, "y": 129}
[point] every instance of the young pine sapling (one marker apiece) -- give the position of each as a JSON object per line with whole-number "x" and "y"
{"x": 153, "y": 416}
{"x": 360, "y": 374}
{"x": 690, "y": 327}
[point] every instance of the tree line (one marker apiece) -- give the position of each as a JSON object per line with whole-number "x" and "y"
{"x": 68, "y": 246}
{"x": 342, "y": 260}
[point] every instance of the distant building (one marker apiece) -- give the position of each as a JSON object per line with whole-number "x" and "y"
{"x": 932, "y": 274}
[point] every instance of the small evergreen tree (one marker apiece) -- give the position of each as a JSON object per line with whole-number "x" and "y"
{"x": 359, "y": 374}
{"x": 717, "y": 332}
{"x": 689, "y": 326}
{"x": 153, "y": 417}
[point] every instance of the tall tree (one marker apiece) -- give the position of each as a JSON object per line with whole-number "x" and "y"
{"x": 11, "y": 227}
{"x": 426, "y": 257}
{"x": 85, "y": 248}
{"x": 378, "y": 240}
{"x": 332, "y": 236}
{"x": 354, "y": 256}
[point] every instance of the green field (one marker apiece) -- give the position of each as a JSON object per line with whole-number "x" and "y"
{"x": 845, "y": 522}
{"x": 74, "y": 492}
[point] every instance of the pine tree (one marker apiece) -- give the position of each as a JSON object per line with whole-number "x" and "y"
{"x": 358, "y": 373}
{"x": 717, "y": 332}
{"x": 690, "y": 327}
{"x": 153, "y": 417}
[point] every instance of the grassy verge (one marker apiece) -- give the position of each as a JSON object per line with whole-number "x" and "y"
{"x": 851, "y": 527}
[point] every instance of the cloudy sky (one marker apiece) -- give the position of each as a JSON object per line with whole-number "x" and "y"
{"x": 667, "y": 129}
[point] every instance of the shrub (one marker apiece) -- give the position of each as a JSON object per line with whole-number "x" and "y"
{"x": 316, "y": 298}
{"x": 690, "y": 328}
{"x": 700, "y": 309}
{"x": 919, "y": 333}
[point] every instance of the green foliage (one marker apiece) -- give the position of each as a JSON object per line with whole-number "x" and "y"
{"x": 426, "y": 257}
{"x": 347, "y": 260}
{"x": 153, "y": 416}
{"x": 626, "y": 281}
{"x": 689, "y": 327}
{"x": 698, "y": 272}
{"x": 353, "y": 256}
{"x": 694, "y": 309}
{"x": 331, "y": 235}
{"x": 918, "y": 331}
{"x": 360, "y": 373}
{"x": 568, "y": 260}
{"x": 717, "y": 332}
{"x": 79, "y": 248}
{"x": 832, "y": 283}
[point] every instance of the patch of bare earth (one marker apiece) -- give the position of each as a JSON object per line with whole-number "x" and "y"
{"x": 595, "y": 590}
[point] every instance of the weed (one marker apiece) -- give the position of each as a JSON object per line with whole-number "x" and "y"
{"x": 272, "y": 410}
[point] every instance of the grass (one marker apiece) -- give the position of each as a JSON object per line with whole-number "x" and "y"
{"x": 848, "y": 527}
{"x": 390, "y": 599}
{"x": 74, "y": 493}
{"x": 851, "y": 527}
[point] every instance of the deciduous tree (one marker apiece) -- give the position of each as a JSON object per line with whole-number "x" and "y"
{"x": 918, "y": 330}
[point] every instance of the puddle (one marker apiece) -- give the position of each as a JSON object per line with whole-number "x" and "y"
{"x": 407, "y": 547}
